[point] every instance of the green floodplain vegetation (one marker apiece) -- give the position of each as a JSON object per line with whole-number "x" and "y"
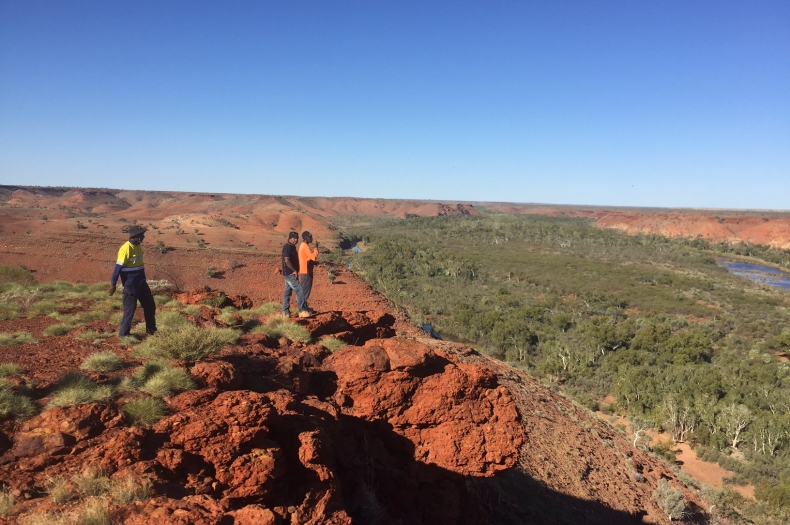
{"x": 653, "y": 323}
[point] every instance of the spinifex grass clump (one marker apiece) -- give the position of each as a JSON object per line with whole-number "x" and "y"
{"x": 157, "y": 379}
{"x": 333, "y": 344}
{"x": 278, "y": 326}
{"x": 264, "y": 309}
{"x": 13, "y": 405}
{"x": 43, "y": 307}
{"x": 11, "y": 369}
{"x": 57, "y": 329}
{"x": 75, "y": 389}
{"x": 102, "y": 362}
{"x": 16, "y": 339}
{"x": 189, "y": 343}
{"x": 144, "y": 411}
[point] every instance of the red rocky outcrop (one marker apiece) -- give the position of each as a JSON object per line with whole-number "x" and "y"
{"x": 454, "y": 414}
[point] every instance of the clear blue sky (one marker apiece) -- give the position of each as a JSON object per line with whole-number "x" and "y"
{"x": 636, "y": 103}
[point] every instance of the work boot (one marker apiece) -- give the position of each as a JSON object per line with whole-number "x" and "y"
{"x": 304, "y": 314}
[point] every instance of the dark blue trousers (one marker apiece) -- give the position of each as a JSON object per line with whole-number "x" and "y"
{"x": 307, "y": 286}
{"x": 131, "y": 294}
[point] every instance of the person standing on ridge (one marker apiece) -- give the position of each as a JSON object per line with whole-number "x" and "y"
{"x": 307, "y": 259}
{"x": 291, "y": 274}
{"x": 129, "y": 266}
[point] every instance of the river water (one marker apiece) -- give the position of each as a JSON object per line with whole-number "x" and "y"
{"x": 757, "y": 273}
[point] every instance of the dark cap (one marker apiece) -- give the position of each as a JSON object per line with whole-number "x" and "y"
{"x": 306, "y": 235}
{"x": 293, "y": 235}
{"x": 136, "y": 230}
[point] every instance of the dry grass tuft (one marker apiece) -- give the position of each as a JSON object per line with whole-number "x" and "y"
{"x": 94, "y": 511}
{"x": 6, "y": 503}
{"x": 57, "y": 330}
{"x": 59, "y": 490}
{"x": 92, "y": 481}
{"x": 13, "y": 405}
{"x": 129, "y": 489}
{"x": 11, "y": 369}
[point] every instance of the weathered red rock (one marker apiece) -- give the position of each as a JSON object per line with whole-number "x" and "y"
{"x": 217, "y": 374}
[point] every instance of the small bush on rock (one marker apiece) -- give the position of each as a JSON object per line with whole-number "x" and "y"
{"x": 102, "y": 362}
{"x": 145, "y": 411}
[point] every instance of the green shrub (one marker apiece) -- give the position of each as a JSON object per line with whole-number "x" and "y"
{"x": 17, "y": 275}
{"x": 16, "y": 339}
{"x": 145, "y": 411}
{"x": 75, "y": 389}
{"x": 102, "y": 362}
{"x": 6, "y": 503}
{"x": 211, "y": 271}
{"x": 129, "y": 489}
{"x": 670, "y": 500}
{"x": 57, "y": 330}
{"x": 278, "y": 326}
{"x": 13, "y": 405}
{"x": 11, "y": 369}
{"x": 333, "y": 344}
{"x": 189, "y": 343}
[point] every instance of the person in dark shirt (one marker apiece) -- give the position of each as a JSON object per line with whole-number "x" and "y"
{"x": 129, "y": 266}
{"x": 291, "y": 274}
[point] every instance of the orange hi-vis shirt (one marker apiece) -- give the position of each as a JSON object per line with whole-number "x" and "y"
{"x": 307, "y": 258}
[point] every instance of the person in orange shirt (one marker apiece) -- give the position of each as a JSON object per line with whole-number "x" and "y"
{"x": 307, "y": 258}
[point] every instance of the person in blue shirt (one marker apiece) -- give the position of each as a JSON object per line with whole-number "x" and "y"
{"x": 129, "y": 266}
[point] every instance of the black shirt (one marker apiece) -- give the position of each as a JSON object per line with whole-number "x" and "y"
{"x": 290, "y": 253}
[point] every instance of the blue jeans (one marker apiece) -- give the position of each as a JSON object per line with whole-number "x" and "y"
{"x": 292, "y": 284}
